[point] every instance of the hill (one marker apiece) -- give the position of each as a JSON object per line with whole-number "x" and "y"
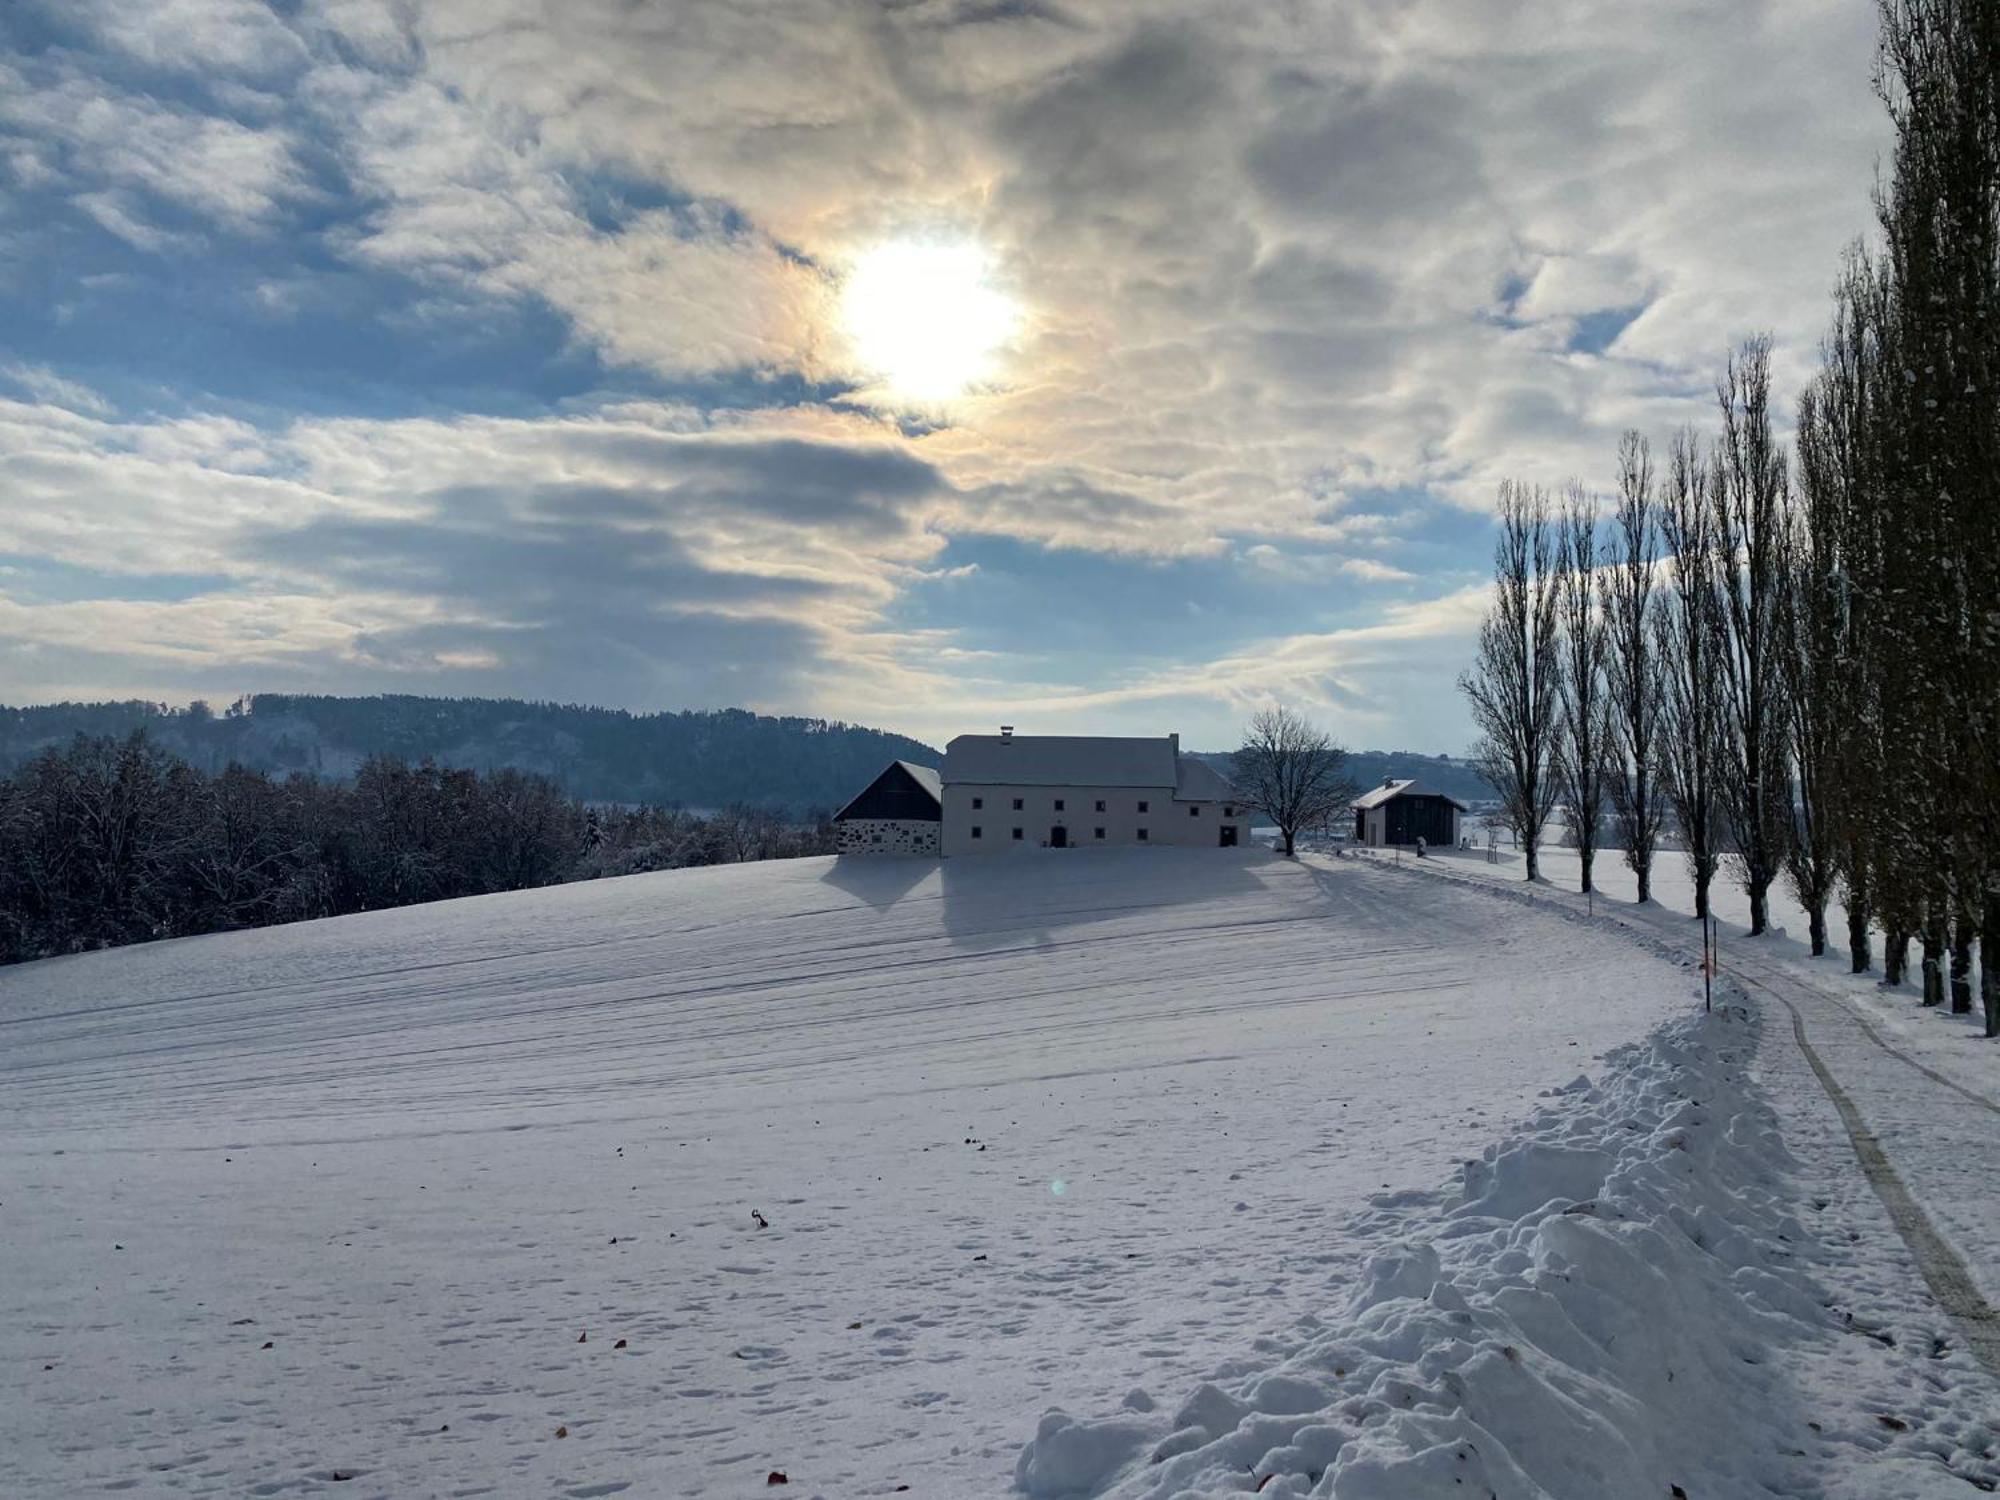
{"x": 689, "y": 759}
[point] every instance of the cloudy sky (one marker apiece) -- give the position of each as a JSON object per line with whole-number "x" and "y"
{"x": 925, "y": 363}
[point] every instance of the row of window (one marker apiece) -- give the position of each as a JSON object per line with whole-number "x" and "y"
{"x": 1098, "y": 833}
{"x": 1194, "y": 809}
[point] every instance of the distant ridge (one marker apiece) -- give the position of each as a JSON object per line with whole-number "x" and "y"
{"x": 694, "y": 759}
{"x": 1449, "y": 774}
{"x": 699, "y": 759}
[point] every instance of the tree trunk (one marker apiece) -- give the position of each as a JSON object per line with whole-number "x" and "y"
{"x": 1895, "y": 955}
{"x": 1816, "y": 924}
{"x": 1760, "y": 909}
{"x": 1933, "y": 945}
{"x": 1585, "y": 857}
{"x": 1645, "y": 882}
{"x": 1289, "y": 836}
{"x": 1859, "y": 946}
{"x": 1961, "y": 964}
{"x": 1533, "y": 864}
{"x": 1701, "y": 881}
{"x": 1989, "y": 961}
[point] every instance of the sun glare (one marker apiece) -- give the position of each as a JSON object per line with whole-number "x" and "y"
{"x": 925, "y": 318}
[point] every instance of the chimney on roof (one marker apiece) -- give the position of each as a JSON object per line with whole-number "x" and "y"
{"x": 1388, "y": 781}
{"x": 1006, "y": 732}
{"x": 1175, "y": 741}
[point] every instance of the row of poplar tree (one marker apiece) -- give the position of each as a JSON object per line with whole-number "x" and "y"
{"x": 1792, "y": 665}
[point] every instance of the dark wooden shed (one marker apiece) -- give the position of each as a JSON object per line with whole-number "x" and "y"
{"x": 1398, "y": 813}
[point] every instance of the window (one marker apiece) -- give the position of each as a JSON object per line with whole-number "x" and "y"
{"x": 977, "y": 803}
{"x": 975, "y": 830}
{"x": 1017, "y": 833}
{"x": 1100, "y": 833}
{"x": 1229, "y": 812}
{"x": 1017, "y": 804}
{"x": 1100, "y": 804}
{"x": 1059, "y": 804}
{"x": 1142, "y": 835}
{"x": 1143, "y": 807}
{"x": 1194, "y": 809}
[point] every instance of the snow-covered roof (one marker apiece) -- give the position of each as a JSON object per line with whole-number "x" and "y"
{"x": 926, "y": 777}
{"x": 1060, "y": 760}
{"x": 1201, "y": 782}
{"x": 1408, "y": 787}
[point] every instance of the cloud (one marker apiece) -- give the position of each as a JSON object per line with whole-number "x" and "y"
{"x": 123, "y": 153}
{"x": 46, "y": 385}
{"x": 1273, "y": 262}
{"x": 631, "y": 560}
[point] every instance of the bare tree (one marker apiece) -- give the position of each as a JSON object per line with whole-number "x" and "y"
{"x": 1748, "y": 497}
{"x": 1813, "y": 623}
{"x": 1839, "y": 429}
{"x": 1583, "y": 748}
{"x": 1291, "y": 772}
{"x": 1632, "y": 663}
{"x": 1513, "y": 684}
{"x": 1687, "y": 636}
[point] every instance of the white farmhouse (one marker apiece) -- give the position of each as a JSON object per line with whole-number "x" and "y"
{"x": 1005, "y": 792}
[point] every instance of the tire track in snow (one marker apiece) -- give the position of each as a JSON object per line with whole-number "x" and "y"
{"x": 1947, "y": 1276}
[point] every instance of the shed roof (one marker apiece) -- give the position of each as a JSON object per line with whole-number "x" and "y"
{"x": 1408, "y": 787}
{"x": 1060, "y": 760}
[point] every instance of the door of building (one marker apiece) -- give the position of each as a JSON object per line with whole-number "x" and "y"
{"x": 1058, "y": 838}
{"x": 1229, "y": 835}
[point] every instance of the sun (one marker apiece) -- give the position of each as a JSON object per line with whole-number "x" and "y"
{"x": 925, "y": 319}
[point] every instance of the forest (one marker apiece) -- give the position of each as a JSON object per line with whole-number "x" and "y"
{"x": 1793, "y": 660}
{"x": 109, "y": 840}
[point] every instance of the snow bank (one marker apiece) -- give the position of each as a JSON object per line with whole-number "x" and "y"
{"x": 1606, "y": 1306}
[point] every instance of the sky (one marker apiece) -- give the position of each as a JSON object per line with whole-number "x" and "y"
{"x": 1093, "y": 368}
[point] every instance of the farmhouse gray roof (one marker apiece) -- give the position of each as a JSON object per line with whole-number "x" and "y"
{"x": 1409, "y": 787}
{"x": 1060, "y": 760}
{"x": 1201, "y": 782}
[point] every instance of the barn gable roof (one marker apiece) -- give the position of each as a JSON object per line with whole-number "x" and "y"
{"x": 894, "y": 774}
{"x": 1060, "y": 760}
{"x": 925, "y": 776}
{"x": 1389, "y": 791}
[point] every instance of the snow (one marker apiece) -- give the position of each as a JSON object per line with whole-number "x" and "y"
{"x": 1926, "y": 1081}
{"x": 425, "y": 1151}
{"x": 1629, "y": 1296}
{"x": 1260, "y": 1168}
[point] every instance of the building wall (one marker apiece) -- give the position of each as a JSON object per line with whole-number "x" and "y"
{"x": 1164, "y": 820}
{"x": 888, "y": 836}
{"x": 1397, "y": 822}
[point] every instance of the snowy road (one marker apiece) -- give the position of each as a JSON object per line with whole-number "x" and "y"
{"x": 382, "y": 1196}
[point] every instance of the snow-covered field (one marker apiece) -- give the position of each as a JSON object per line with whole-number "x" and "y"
{"x": 465, "y": 1199}
{"x": 1026, "y": 1132}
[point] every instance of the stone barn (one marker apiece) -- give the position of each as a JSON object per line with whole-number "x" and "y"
{"x": 899, "y": 812}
